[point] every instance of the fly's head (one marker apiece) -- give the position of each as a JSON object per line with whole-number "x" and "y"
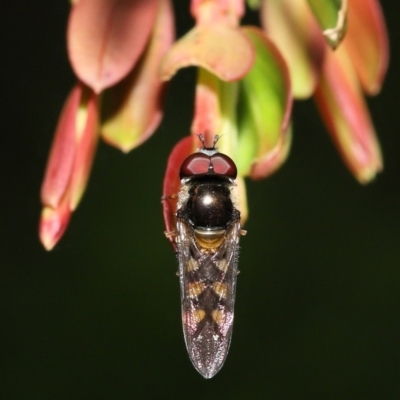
{"x": 208, "y": 161}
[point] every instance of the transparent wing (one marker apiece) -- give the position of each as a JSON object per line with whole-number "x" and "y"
{"x": 208, "y": 286}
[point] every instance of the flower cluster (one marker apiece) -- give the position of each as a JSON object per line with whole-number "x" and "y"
{"x": 123, "y": 53}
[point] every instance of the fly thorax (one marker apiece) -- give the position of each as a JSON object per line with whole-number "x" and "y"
{"x": 209, "y": 206}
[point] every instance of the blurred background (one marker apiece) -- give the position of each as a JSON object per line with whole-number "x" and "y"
{"x": 318, "y": 300}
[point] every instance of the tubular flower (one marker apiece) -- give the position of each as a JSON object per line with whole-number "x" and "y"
{"x": 243, "y": 94}
{"x": 335, "y": 67}
{"x": 69, "y": 163}
{"x": 115, "y": 47}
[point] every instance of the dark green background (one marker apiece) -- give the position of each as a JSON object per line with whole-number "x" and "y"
{"x": 318, "y": 302}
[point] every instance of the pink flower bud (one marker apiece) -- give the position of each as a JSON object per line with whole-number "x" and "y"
{"x": 69, "y": 163}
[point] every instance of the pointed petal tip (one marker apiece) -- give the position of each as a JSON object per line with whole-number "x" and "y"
{"x": 369, "y": 173}
{"x": 362, "y": 157}
{"x": 124, "y": 147}
{"x": 47, "y": 243}
{"x": 52, "y": 225}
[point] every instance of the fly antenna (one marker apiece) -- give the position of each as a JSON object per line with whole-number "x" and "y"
{"x": 216, "y": 138}
{"x": 202, "y": 140}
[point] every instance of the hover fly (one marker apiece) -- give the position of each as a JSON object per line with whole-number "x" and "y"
{"x": 207, "y": 244}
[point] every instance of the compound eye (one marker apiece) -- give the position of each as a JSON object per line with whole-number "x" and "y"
{"x": 195, "y": 164}
{"x": 224, "y": 165}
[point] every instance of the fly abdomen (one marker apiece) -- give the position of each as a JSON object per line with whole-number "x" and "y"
{"x": 208, "y": 325}
{"x": 209, "y": 238}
